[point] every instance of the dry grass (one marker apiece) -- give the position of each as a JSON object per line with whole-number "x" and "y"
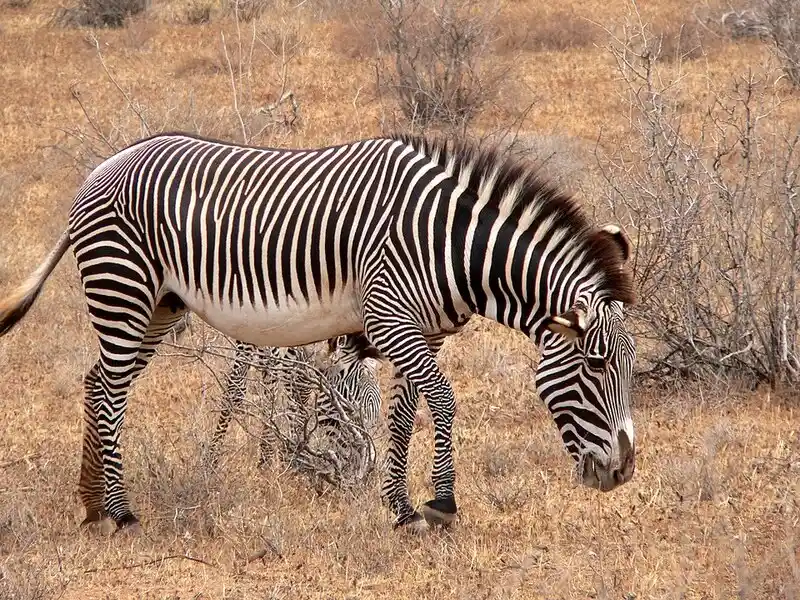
{"x": 713, "y": 509}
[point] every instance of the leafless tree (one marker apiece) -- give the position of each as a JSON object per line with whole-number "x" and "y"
{"x": 712, "y": 203}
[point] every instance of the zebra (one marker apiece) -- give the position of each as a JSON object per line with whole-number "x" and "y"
{"x": 401, "y": 237}
{"x": 351, "y": 373}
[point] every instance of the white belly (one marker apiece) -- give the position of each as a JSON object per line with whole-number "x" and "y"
{"x": 291, "y": 324}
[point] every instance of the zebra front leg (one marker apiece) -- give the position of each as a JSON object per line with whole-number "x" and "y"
{"x": 427, "y": 378}
{"x": 394, "y": 491}
{"x": 414, "y": 357}
{"x": 232, "y": 397}
{"x": 441, "y": 402}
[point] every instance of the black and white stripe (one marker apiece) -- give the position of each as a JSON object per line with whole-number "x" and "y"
{"x": 350, "y": 373}
{"x": 402, "y": 238}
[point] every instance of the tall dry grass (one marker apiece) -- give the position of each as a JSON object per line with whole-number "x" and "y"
{"x": 711, "y": 512}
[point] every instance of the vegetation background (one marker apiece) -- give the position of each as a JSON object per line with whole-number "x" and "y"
{"x": 677, "y": 119}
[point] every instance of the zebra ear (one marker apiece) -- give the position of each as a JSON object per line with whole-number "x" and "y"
{"x": 619, "y": 238}
{"x": 571, "y": 325}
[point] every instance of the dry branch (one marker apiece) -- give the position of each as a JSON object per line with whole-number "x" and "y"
{"x": 713, "y": 211}
{"x": 154, "y": 561}
{"x": 286, "y": 409}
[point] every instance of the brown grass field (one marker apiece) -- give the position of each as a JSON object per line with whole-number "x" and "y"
{"x": 712, "y": 512}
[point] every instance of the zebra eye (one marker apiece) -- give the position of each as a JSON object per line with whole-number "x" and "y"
{"x": 596, "y": 363}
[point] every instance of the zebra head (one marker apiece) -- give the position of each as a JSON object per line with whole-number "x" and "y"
{"x": 584, "y": 377}
{"x": 348, "y": 350}
{"x": 354, "y": 364}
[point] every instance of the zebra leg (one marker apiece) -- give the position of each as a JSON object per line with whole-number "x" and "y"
{"x": 268, "y": 442}
{"x": 168, "y": 313}
{"x": 441, "y": 402}
{"x": 109, "y": 402}
{"x": 232, "y": 397}
{"x": 92, "y": 484}
{"x": 403, "y": 401}
{"x": 413, "y": 357}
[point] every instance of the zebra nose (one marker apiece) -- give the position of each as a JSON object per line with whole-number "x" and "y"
{"x": 627, "y": 459}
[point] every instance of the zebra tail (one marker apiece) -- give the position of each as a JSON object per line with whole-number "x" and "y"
{"x": 17, "y": 304}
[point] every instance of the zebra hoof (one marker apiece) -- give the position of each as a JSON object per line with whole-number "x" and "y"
{"x": 128, "y": 525}
{"x": 414, "y": 524}
{"x": 97, "y": 523}
{"x": 93, "y": 517}
{"x": 440, "y": 512}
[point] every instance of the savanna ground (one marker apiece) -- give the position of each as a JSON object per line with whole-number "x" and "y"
{"x": 712, "y": 512}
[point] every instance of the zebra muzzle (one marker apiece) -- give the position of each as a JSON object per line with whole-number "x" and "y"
{"x": 606, "y": 477}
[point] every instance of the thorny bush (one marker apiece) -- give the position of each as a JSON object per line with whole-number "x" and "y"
{"x": 711, "y": 199}
{"x": 435, "y": 59}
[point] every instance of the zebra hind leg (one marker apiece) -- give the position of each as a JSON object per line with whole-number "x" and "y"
{"x": 125, "y": 351}
{"x": 169, "y": 313}
{"x": 91, "y": 485}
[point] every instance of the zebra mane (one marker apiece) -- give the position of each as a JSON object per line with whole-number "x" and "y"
{"x": 517, "y": 188}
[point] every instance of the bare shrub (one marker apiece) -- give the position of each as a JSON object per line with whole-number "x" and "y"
{"x": 249, "y": 10}
{"x": 199, "y": 12}
{"x": 685, "y": 42}
{"x": 283, "y": 413}
{"x": 344, "y": 457}
{"x": 782, "y": 18}
{"x": 778, "y": 23}
{"x": 101, "y": 13}
{"x": 247, "y": 118}
{"x": 434, "y": 61}
{"x": 744, "y": 24}
{"x": 541, "y": 30}
{"x": 715, "y": 219}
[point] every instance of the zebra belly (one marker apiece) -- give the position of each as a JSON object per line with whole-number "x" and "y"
{"x": 291, "y": 324}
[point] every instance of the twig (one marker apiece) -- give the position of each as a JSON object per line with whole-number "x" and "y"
{"x": 152, "y": 562}
{"x": 234, "y": 91}
{"x": 131, "y": 105}
{"x": 16, "y": 461}
{"x": 73, "y": 89}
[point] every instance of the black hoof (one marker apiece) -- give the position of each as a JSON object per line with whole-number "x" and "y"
{"x": 413, "y": 523}
{"x": 441, "y": 511}
{"x": 128, "y": 524}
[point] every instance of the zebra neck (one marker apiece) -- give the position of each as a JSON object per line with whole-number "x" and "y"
{"x": 524, "y": 279}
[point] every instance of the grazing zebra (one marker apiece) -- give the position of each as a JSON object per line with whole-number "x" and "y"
{"x": 404, "y": 238}
{"x": 351, "y": 374}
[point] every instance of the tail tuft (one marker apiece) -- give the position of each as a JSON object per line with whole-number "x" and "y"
{"x": 17, "y": 304}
